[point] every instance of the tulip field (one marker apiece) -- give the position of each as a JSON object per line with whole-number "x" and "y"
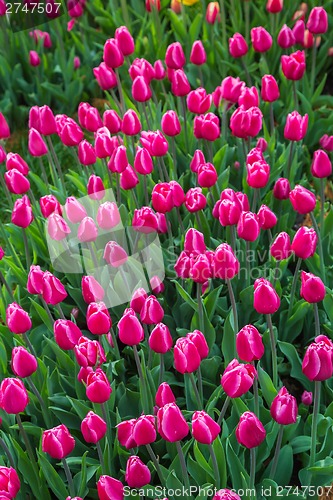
{"x": 166, "y": 249}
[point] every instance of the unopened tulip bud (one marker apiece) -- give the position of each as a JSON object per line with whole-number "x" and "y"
{"x": 307, "y": 398}
{"x": 212, "y": 12}
{"x": 318, "y": 360}
{"x": 250, "y": 432}
{"x": 266, "y": 299}
{"x": 36, "y": 144}
{"x": 238, "y": 46}
{"x": 98, "y": 387}
{"x": 93, "y": 427}
{"x": 238, "y": 378}
{"x": 13, "y": 396}
{"x": 98, "y": 318}
{"x": 286, "y": 37}
{"x": 249, "y": 344}
{"x": 198, "y": 54}
{"x": 296, "y": 126}
{"x": 105, "y": 76}
{"x": 58, "y": 442}
{"x": 171, "y": 423}
{"x": 312, "y": 288}
{"x": 112, "y": 55}
{"x": 281, "y": 247}
{"x": 302, "y": 200}
{"x": 204, "y": 429}
{"x": 261, "y": 39}
{"x": 284, "y": 408}
{"x": 281, "y": 189}
{"x": 164, "y": 395}
{"x": 137, "y": 473}
{"x": 23, "y": 363}
{"x": 34, "y": 59}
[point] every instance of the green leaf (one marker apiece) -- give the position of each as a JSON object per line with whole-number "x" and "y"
{"x": 268, "y": 390}
{"x": 183, "y": 293}
{"x": 296, "y": 366}
{"x": 52, "y": 477}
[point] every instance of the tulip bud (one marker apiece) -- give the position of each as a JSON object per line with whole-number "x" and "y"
{"x": 89, "y": 353}
{"x": 267, "y": 218}
{"x": 226, "y": 495}
{"x": 321, "y": 166}
{"x": 286, "y": 38}
{"x": 269, "y": 89}
{"x": 112, "y": 54}
{"x": 281, "y": 247}
{"x": 326, "y": 142}
{"x": 194, "y": 242}
{"x": 49, "y": 205}
{"x": 13, "y": 396}
{"x": 57, "y": 227}
{"x": 238, "y": 378}
{"x": 281, "y": 189}
{"x": 238, "y": 46}
{"x": 249, "y": 344}
{"x": 35, "y": 280}
{"x": 186, "y": 356}
{"x": 164, "y": 395}
{"x": 246, "y": 122}
{"x": 195, "y": 200}
{"x": 159, "y": 70}
{"x": 137, "y": 473}
{"x": 14, "y": 160}
{"x": 248, "y": 98}
{"x": 304, "y": 242}
{"x": 53, "y": 290}
{"x": 180, "y": 86}
{"x": 284, "y": 408}
{"x": 307, "y": 398}
{"x": 162, "y": 199}
{"x": 261, "y": 39}
{"x": 130, "y": 329}
{"x": 23, "y": 363}
{"x": 170, "y": 124}
{"x": 302, "y": 200}
{"x": 198, "y": 55}
{"x": 98, "y": 387}
{"x": 4, "y": 128}
{"x": 266, "y": 299}
{"x": 75, "y": 211}
{"x": 204, "y": 429}
{"x": 274, "y": 6}
{"x": 200, "y": 343}
{"x": 58, "y": 442}
{"x": 258, "y": 174}
{"x": 125, "y": 433}
{"x": 248, "y": 226}
{"x": 95, "y": 188}
{"x": 198, "y": 101}
{"x": 128, "y": 178}
{"x": 230, "y": 90}
{"x": 212, "y": 12}
{"x": 250, "y": 432}
{"x": 299, "y": 31}
{"x": 225, "y": 263}
{"x": 98, "y": 318}
{"x": 138, "y": 299}
{"x": 10, "y": 482}
{"x": 312, "y": 288}
{"x": 141, "y": 90}
{"x": 16, "y": 182}
{"x": 93, "y": 428}
{"x": 131, "y": 124}
{"x": 17, "y": 319}
{"x": 34, "y": 59}
{"x": 197, "y": 160}
{"x": 318, "y": 360}
{"x": 48, "y": 124}
{"x": 144, "y": 431}
{"x": 296, "y": 126}
{"x": 108, "y": 487}
{"x": 293, "y": 66}
{"x": 171, "y": 423}
{"x": 160, "y": 339}
{"x": 125, "y": 40}
{"x": 152, "y": 312}
{"x": 66, "y": 334}
{"x": 175, "y": 57}
{"x": 318, "y": 21}
{"x": 207, "y": 127}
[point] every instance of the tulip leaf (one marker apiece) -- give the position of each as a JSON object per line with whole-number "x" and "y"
{"x": 53, "y": 479}
{"x": 183, "y": 293}
{"x": 268, "y": 390}
{"x": 296, "y": 366}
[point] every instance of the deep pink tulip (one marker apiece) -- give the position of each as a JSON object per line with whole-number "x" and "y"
{"x": 137, "y": 473}
{"x": 95, "y": 188}
{"x": 207, "y": 127}
{"x": 92, "y": 291}
{"x": 170, "y": 123}
{"x": 195, "y": 200}
{"x": 108, "y": 487}
{"x": 318, "y": 21}
{"x": 269, "y": 89}
{"x": 13, "y": 396}
{"x": 238, "y": 378}
{"x": 98, "y": 318}
{"x": 160, "y": 339}
{"x": 204, "y": 429}
{"x": 258, "y": 174}
{"x": 281, "y": 247}
{"x": 164, "y": 395}
{"x": 36, "y": 144}
{"x": 299, "y": 31}
{"x": 281, "y": 189}
{"x": 22, "y": 214}
{"x": 198, "y": 54}
{"x": 180, "y": 86}
{"x": 159, "y": 70}
{"x": 267, "y": 218}
{"x": 312, "y": 288}
{"x": 266, "y": 299}
{"x": 57, "y": 227}
{"x": 144, "y": 431}
{"x": 130, "y": 329}
{"x": 125, "y": 40}
{"x": 296, "y": 126}
{"x": 171, "y": 423}
{"x": 14, "y": 160}
{"x": 284, "y": 408}
{"x": 58, "y": 442}
{"x": 118, "y": 161}
{"x": 4, "y": 128}
{"x": 16, "y": 182}
{"x": 326, "y": 142}
{"x": 155, "y": 143}
{"x": 53, "y": 290}
{"x": 89, "y": 353}
{"x": 226, "y": 495}
{"x": 194, "y": 242}
{"x": 175, "y": 57}
{"x": 286, "y": 38}
{"x": 9, "y": 480}
{"x": 93, "y": 428}
{"x": 49, "y": 204}
{"x": 35, "y": 280}
{"x": 23, "y": 363}
{"x": 162, "y": 198}
{"x": 66, "y": 334}
{"x": 200, "y": 269}
{"x": 17, "y": 319}
{"x": 200, "y": 343}
{"x": 112, "y": 54}
{"x": 198, "y": 101}
{"x": 87, "y": 230}
{"x": 302, "y": 200}
{"x": 225, "y": 263}
{"x": 249, "y": 344}
{"x": 108, "y": 215}
{"x": 186, "y": 356}
{"x": 145, "y": 220}
{"x": 75, "y": 211}
{"x": 274, "y": 6}
{"x": 207, "y": 175}
{"x": 131, "y": 124}
{"x": 307, "y": 398}
{"x": 261, "y": 39}
{"x": 197, "y": 160}
{"x": 249, "y": 98}
{"x": 98, "y": 388}
{"x": 34, "y": 59}
{"x": 112, "y": 121}
{"x": 86, "y": 153}
{"x": 250, "y": 432}
{"x": 238, "y": 46}
{"x": 114, "y": 254}
{"x": 246, "y": 122}
{"x": 321, "y": 165}
{"x": 152, "y": 312}
{"x": 105, "y": 76}
{"x": 293, "y": 66}
{"x": 318, "y": 360}
{"x": 304, "y": 242}
{"x": 141, "y": 90}
{"x": 128, "y": 178}
{"x": 248, "y": 226}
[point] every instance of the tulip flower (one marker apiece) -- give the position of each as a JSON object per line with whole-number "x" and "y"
{"x": 108, "y": 487}
{"x": 170, "y": 124}
{"x": 274, "y": 6}
{"x": 164, "y": 395}
{"x": 207, "y": 127}
{"x": 49, "y": 204}
{"x": 195, "y": 200}
{"x": 160, "y": 339}
{"x": 326, "y": 142}
{"x": 250, "y": 432}
{"x": 212, "y": 12}
{"x": 23, "y": 363}
{"x": 22, "y": 215}
{"x": 130, "y": 329}
{"x": 9, "y": 482}
{"x": 137, "y": 473}
{"x": 105, "y": 76}
{"x": 66, "y": 334}
{"x": 198, "y": 101}
{"x": 131, "y": 124}
{"x": 98, "y": 388}
{"x": 286, "y": 38}
{"x": 226, "y": 495}
{"x": 312, "y": 288}
{"x": 249, "y": 344}
{"x": 295, "y": 130}
{"x": 93, "y": 428}
{"x": 34, "y": 59}
{"x": 281, "y": 189}
{"x": 302, "y": 200}
{"x": 53, "y": 290}
{"x": 204, "y": 429}
{"x": 307, "y": 398}
{"x": 293, "y": 66}
{"x": 112, "y": 55}
{"x": 318, "y": 21}
{"x": 13, "y": 396}
{"x": 57, "y": 227}
{"x": 175, "y": 57}
{"x": 281, "y": 247}
{"x": 16, "y": 182}
{"x": 198, "y": 55}
{"x": 95, "y": 188}
{"x": 238, "y": 46}
{"x": 4, "y": 128}
{"x": 304, "y": 242}
{"x": 125, "y": 40}
{"x": 89, "y": 352}
{"x": 14, "y": 160}
{"x": 17, "y": 319}
{"x": 261, "y": 39}
{"x": 299, "y": 31}
{"x": 98, "y": 318}
{"x": 246, "y": 123}
{"x": 171, "y": 423}
{"x": 144, "y": 430}
{"x": 237, "y": 378}
{"x": 58, "y": 442}
{"x": 86, "y": 153}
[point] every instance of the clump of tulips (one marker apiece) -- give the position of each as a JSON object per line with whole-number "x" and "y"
{"x": 207, "y": 371}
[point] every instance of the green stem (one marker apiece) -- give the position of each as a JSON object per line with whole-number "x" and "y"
{"x": 120, "y": 90}
{"x": 295, "y": 95}
{"x": 100, "y": 457}
{"x": 26, "y": 440}
{"x": 316, "y": 405}
{"x": 248, "y": 266}
{"x": 247, "y": 20}
{"x": 26, "y": 248}
{"x": 320, "y": 246}
{"x": 41, "y": 402}
{"x": 313, "y": 67}
{"x": 183, "y": 101}
{"x": 247, "y": 74}
{"x": 215, "y": 466}
{"x": 224, "y": 409}
{"x": 256, "y": 394}
{"x": 29, "y": 344}
{"x": 316, "y": 317}
{"x": 276, "y": 272}
{"x": 106, "y": 417}
{"x": 235, "y": 313}
{"x": 69, "y": 477}
{"x": 57, "y": 164}
{"x": 195, "y": 389}
{"x": 183, "y": 464}
{"x": 200, "y": 308}
{"x": 115, "y": 344}
{"x": 60, "y": 311}
{"x": 273, "y": 349}
{"x": 293, "y": 287}
{"x": 271, "y": 117}
{"x": 47, "y": 309}
{"x": 156, "y": 464}
{"x": 161, "y": 374}
{"x": 276, "y": 453}
{"x": 8, "y": 453}
{"x": 200, "y": 384}
{"x": 290, "y": 158}
{"x": 4, "y": 281}
{"x": 322, "y": 206}
{"x": 142, "y": 380}
{"x": 252, "y": 468}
